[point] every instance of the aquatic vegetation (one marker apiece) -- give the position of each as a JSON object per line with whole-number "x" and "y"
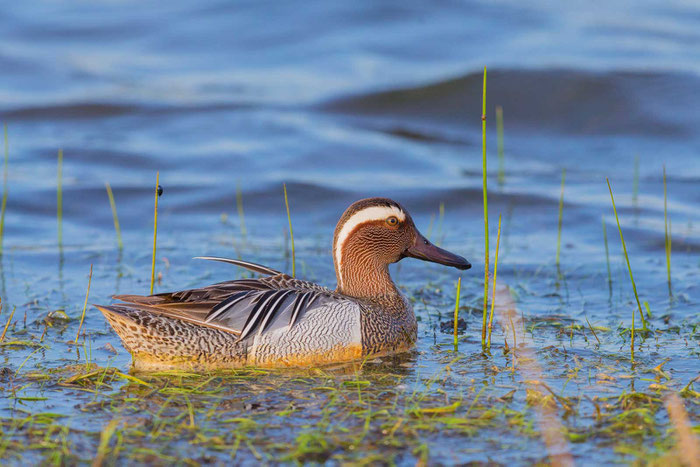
{"x": 291, "y": 233}
{"x": 113, "y": 205}
{"x": 592, "y": 331}
{"x": 629, "y": 268}
{"x": 155, "y": 230}
{"x": 456, "y": 315}
{"x": 7, "y": 325}
{"x": 378, "y": 410}
{"x": 486, "y": 212}
{"x": 82, "y": 316}
{"x": 495, "y": 275}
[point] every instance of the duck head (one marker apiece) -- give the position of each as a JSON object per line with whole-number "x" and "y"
{"x": 373, "y": 233}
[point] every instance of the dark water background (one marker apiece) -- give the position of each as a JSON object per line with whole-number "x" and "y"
{"x": 341, "y": 101}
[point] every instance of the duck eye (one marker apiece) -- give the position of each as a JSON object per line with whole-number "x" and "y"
{"x": 392, "y": 221}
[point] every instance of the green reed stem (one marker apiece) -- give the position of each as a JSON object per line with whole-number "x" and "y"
{"x": 515, "y": 339}
{"x": 7, "y": 325}
{"x": 59, "y": 197}
{"x": 113, "y": 205}
{"x": 155, "y": 232}
{"x": 607, "y": 252}
{"x": 592, "y": 330}
{"x": 4, "y": 188}
{"x": 629, "y": 268}
{"x": 486, "y": 213}
{"x": 291, "y": 233}
{"x": 82, "y": 316}
{"x": 239, "y": 206}
{"x": 459, "y": 288}
{"x": 495, "y": 274}
{"x": 667, "y": 233}
{"x": 632, "y": 339}
{"x": 499, "y": 142}
{"x": 561, "y": 212}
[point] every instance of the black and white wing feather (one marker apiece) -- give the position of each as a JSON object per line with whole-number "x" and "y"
{"x": 242, "y": 307}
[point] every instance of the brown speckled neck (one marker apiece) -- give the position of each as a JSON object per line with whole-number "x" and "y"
{"x": 366, "y": 275}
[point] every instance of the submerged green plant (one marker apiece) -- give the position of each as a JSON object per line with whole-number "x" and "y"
{"x": 456, "y": 317}
{"x": 495, "y": 275}
{"x": 486, "y": 213}
{"x": 82, "y": 316}
{"x": 667, "y": 233}
{"x": 113, "y": 205}
{"x": 499, "y": 142}
{"x": 291, "y": 233}
{"x": 155, "y": 231}
{"x": 561, "y": 211}
{"x": 59, "y": 197}
{"x": 4, "y": 188}
{"x": 629, "y": 268}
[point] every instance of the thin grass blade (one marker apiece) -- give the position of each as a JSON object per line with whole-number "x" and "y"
{"x": 82, "y": 316}
{"x": 291, "y": 233}
{"x": 495, "y": 274}
{"x": 629, "y": 268}
{"x": 456, "y": 314}
{"x": 155, "y": 231}
{"x": 486, "y": 214}
{"x": 113, "y": 205}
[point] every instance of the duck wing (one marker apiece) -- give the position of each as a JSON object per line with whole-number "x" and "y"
{"x": 242, "y": 306}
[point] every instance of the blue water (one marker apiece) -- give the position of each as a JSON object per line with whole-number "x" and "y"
{"x": 343, "y": 101}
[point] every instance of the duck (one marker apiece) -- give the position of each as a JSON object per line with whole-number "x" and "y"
{"x": 274, "y": 320}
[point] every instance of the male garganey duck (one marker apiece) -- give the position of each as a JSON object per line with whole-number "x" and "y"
{"x": 279, "y": 321}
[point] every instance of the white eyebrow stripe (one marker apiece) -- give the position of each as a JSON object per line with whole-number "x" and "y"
{"x": 369, "y": 214}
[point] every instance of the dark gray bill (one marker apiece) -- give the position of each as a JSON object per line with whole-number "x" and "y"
{"x": 423, "y": 249}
